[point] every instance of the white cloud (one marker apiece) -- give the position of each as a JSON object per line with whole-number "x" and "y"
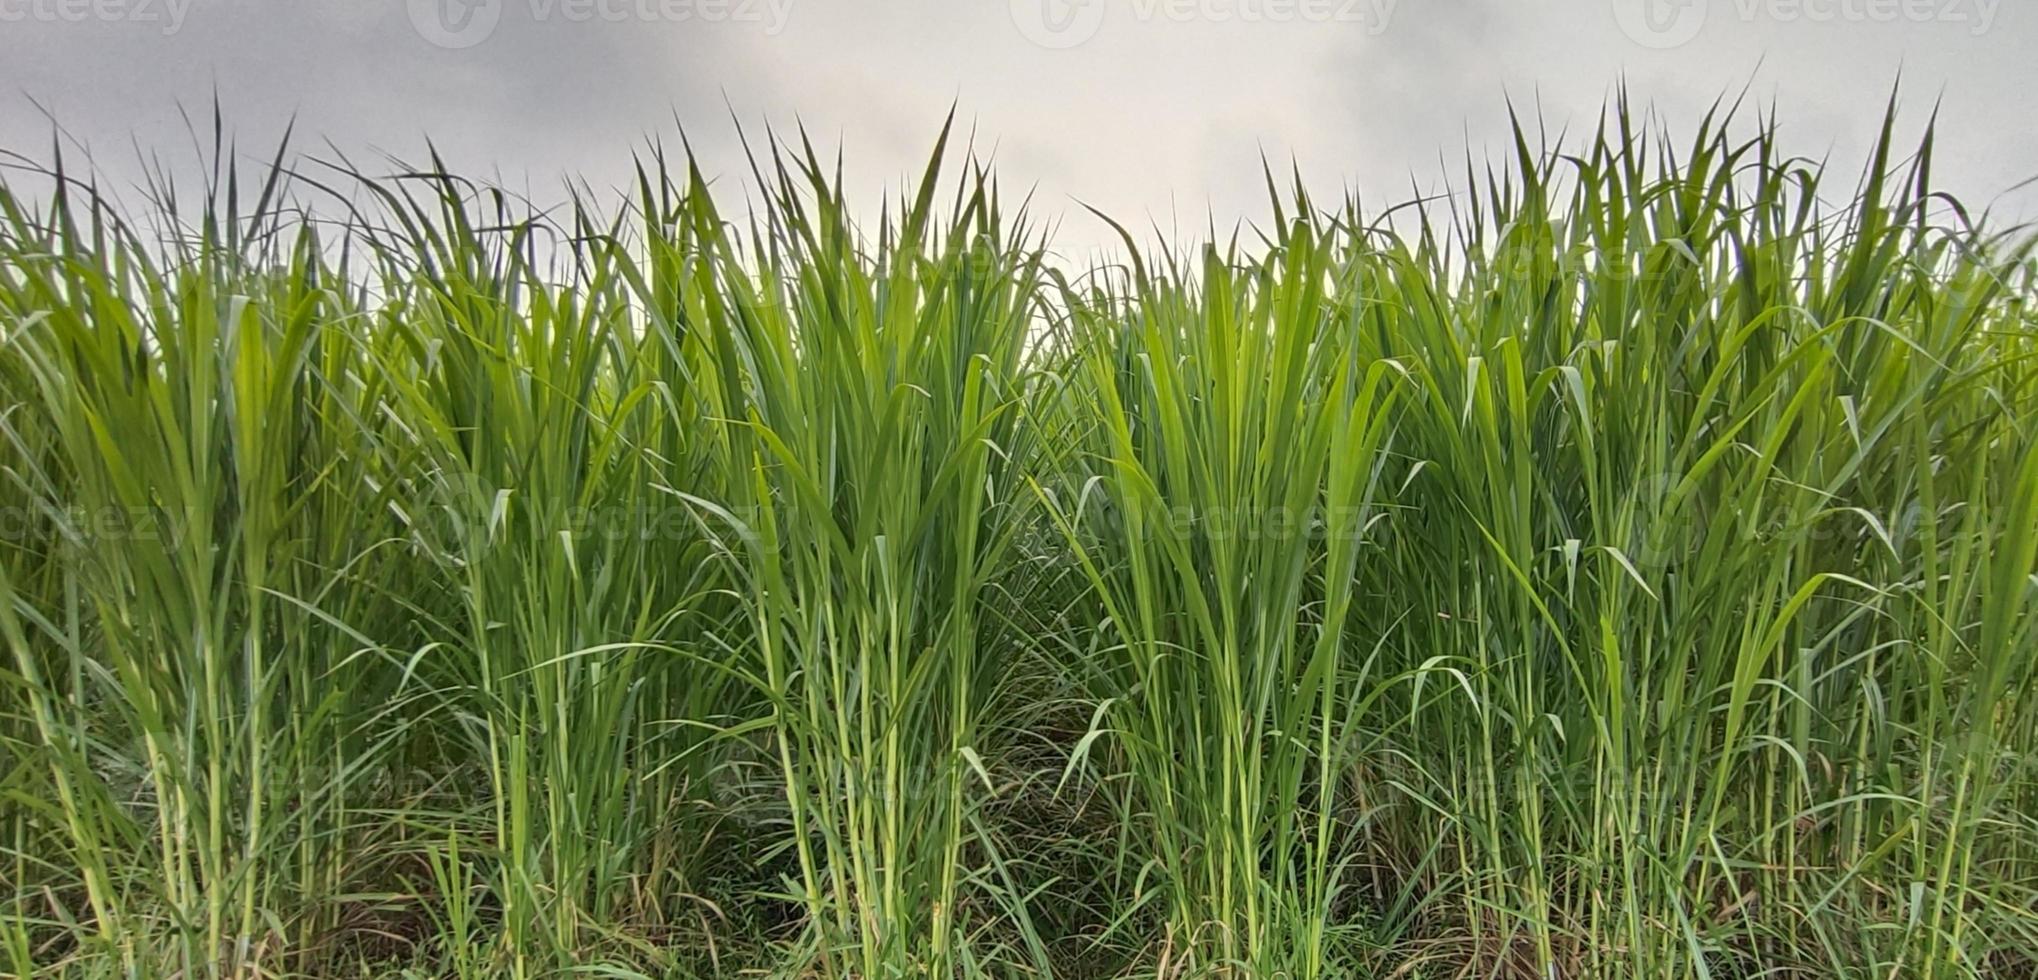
{"x": 1153, "y": 116}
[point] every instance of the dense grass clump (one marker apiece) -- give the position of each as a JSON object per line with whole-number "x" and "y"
{"x": 1623, "y": 566}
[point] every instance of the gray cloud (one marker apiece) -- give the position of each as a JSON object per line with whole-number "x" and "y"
{"x": 1155, "y": 110}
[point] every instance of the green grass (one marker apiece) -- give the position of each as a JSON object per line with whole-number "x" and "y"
{"x": 1622, "y": 566}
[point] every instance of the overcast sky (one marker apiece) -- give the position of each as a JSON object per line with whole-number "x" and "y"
{"x": 1153, "y": 110}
